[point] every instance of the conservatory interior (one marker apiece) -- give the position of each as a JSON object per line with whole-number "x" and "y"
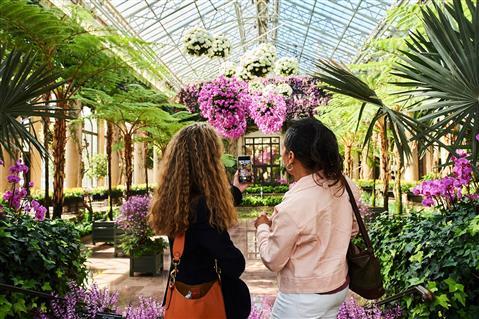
{"x": 93, "y": 91}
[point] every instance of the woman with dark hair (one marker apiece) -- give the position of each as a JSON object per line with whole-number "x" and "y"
{"x": 194, "y": 201}
{"x": 307, "y": 238}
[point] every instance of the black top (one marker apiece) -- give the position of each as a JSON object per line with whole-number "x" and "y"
{"x": 204, "y": 244}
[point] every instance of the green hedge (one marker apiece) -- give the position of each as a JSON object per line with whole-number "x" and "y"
{"x": 42, "y": 256}
{"x": 367, "y": 184}
{"x": 438, "y": 250}
{"x": 99, "y": 193}
{"x": 255, "y": 201}
{"x": 256, "y": 189}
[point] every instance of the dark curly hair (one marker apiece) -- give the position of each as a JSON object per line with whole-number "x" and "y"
{"x": 316, "y": 147}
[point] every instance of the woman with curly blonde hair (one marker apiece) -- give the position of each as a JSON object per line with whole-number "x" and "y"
{"x": 194, "y": 198}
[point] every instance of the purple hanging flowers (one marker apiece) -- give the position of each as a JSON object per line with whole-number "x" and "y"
{"x": 268, "y": 111}
{"x": 224, "y": 102}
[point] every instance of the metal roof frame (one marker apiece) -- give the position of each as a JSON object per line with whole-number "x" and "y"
{"x": 307, "y": 29}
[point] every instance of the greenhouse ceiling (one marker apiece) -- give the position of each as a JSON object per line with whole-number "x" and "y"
{"x": 305, "y": 29}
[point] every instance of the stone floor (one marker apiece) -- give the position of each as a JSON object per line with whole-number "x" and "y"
{"x": 111, "y": 272}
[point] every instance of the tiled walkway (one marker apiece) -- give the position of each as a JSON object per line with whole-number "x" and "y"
{"x": 114, "y": 272}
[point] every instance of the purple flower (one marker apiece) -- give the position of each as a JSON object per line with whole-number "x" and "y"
{"x": 30, "y": 184}
{"x": 147, "y": 308}
{"x": 268, "y": 112}
{"x": 224, "y": 102}
{"x": 2, "y": 163}
{"x": 477, "y": 137}
{"x": 13, "y": 179}
{"x": 40, "y": 213}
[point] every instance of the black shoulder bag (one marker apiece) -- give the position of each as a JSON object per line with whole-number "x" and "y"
{"x": 364, "y": 268}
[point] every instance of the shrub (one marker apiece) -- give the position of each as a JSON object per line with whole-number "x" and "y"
{"x": 261, "y": 201}
{"x": 42, "y": 256}
{"x": 437, "y": 249}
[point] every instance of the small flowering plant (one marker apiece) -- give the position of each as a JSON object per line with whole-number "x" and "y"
{"x": 197, "y": 41}
{"x": 451, "y": 189}
{"x": 286, "y": 66}
{"x": 268, "y": 112}
{"x": 224, "y": 102}
{"x": 15, "y": 199}
{"x": 133, "y": 219}
{"x": 350, "y": 309}
{"x": 220, "y": 47}
{"x": 82, "y": 302}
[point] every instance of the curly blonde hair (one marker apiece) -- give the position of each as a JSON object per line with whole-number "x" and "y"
{"x": 192, "y": 167}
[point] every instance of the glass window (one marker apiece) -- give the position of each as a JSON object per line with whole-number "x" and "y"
{"x": 266, "y": 157}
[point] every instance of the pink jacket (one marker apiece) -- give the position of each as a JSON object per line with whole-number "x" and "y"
{"x": 310, "y": 233}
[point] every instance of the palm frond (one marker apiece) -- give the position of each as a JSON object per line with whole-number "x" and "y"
{"x": 339, "y": 79}
{"x": 22, "y": 84}
{"x": 442, "y": 67}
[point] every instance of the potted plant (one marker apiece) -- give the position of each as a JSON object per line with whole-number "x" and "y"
{"x": 138, "y": 241}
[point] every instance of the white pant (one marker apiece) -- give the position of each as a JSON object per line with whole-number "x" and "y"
{"x": 308, "y": 306}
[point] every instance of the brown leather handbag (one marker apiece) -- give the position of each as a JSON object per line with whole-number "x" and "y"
{"x": 192, "y": 301}
{"x": 364, "y": 267}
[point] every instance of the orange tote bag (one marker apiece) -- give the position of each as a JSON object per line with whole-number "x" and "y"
{"x": 192, "y": 301}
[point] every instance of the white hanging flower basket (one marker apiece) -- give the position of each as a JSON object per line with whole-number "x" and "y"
{"x": 257, "y": 62}
{"x": 221, "y": 47}
{"x": 197, "y": 41}
{"x": 287, "y": 66}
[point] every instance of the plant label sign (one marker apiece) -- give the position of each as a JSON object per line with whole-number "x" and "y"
{"x": 104, "y": 315}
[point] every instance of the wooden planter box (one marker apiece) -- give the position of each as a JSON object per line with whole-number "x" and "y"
{"x": 103, "y": 231}
{"x": 146, "y": 264}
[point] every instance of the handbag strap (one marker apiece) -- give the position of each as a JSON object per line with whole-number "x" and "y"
{"x": 178, "y": 247}
{"x": 359, "y": 219}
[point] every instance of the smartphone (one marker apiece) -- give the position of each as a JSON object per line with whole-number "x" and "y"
{"x": 245, "y": 169}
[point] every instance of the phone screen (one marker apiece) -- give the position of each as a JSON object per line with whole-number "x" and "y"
{"x": 245, "y": 169}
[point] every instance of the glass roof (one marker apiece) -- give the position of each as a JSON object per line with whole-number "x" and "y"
{"x": 305, "y": 29}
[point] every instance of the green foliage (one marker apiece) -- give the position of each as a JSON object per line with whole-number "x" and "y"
{"x": 42, "y": 256}
{"x": 438, "y": 250}
{"x": 21, "y": 84}
{"x": 97, "y": 166}
{"x": 367, "y": 184}
{"x": 441, "y": 69}
{"x": 255, "y": 201}
{"x": 132, "y": 247}
{"x": 257, "y": 189}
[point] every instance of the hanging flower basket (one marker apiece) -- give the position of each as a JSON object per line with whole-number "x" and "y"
{"x": 286, "y": 66}
{"x": 220, "y": 47}
{"x": 224, "y": 102}
{"x": 258, "y": 62}
{"x": 197, "y": 41}
{"x": 268, "y": 111}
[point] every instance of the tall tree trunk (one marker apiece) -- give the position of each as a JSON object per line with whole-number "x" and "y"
{"x": 145, "y": 149}
{"x": 109, "y": 141}
{"x": 348, "y": 160}
{"x": 384, "y": 144}
{"x": 46, "y": 144}
{"x": 397, "y": 184}
{"x": 398, "y": 190}
{"x": 128, "y": 162}
{"x": 59, "y": 147}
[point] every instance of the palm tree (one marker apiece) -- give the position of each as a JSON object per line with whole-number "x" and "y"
{"x": 441, "y": 69}
{"x": 23, "y": 84}
{"x": 390, "y": 121}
